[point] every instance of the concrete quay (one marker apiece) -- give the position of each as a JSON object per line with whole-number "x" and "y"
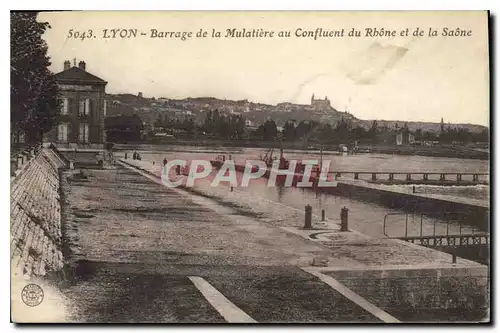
{"x": 392, "y": 261}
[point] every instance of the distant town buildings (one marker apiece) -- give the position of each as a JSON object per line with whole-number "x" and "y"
{"x": 405, "y": 137}
{"x": 139, "y": 94}
{"x": 81, "y": 119}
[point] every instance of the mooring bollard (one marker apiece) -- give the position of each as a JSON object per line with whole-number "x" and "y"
{"x": 308, "y": 217}
{"x": 13, "y": 167}
{"x": 322, "y": 215}
{"x": 454, "y": 258}
{"x": 125, "y": 155}
{"x": 343, "y": 219}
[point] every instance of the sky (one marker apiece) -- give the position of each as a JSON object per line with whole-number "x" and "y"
{"x": 407, "y": 78}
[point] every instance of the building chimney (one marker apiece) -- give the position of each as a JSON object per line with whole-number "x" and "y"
{"x": 81, "y": 65}
{"x": 67, "y": 65}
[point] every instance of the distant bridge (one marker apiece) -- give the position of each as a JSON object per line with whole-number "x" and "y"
{"x": 421, "y": 177}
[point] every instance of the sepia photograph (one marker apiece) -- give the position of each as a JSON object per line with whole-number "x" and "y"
{"x": 250, "y": 167}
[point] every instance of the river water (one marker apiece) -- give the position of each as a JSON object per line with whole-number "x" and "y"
{"x": 286, "y": 204}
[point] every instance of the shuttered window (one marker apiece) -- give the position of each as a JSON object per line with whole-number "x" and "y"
{"x": 87, "y": 107}
{"x": 62, "y": 132}
{"x": 84, "y": 107}
{"x": 81, "y": 107}
{"x": 83, "y": 134}
{"x": 64, "y": 106}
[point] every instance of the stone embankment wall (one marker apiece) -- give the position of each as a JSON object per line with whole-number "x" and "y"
{"x": 453, "y": 289}
{"x": 35, "y": 223}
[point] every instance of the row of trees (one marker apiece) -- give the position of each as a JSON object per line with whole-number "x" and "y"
{"x": 188, "y": 125}
{"x": 124, "y": 128}
{"x": 314, "y": 131}
{"x": 451, "y": 135}
{"x": 216, "y": 125}
{"x": 232, "y": 127}
{"x": 345, "y": 131}
{"x": 33, "y": 88}
{"x": 224, "y": 126}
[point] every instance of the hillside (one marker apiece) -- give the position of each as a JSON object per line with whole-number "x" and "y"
{"x": 149, "y": 109}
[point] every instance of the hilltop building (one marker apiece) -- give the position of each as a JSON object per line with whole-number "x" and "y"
{"x": 81, "y": 119}
{"x": 320, "y": 104}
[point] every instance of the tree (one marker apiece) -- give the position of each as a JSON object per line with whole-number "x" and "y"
{"x": 237, "y": 126}
{"x": 359, "y": 133}
{"x": 418, "y": 134}
{"x": 188, "y": 125}
{"x": 124, "y": 128}
{"x": 33, "y": 88}
{"x": 160, "y": 121}
{"x": 270, "y": 130}
{"x": 289, "y": 131}
{"x": 325, "y": 133}
{"x": 303, "y": 129}
{"x": 343, "y": 129}
{"x": 267, "y": 131}
{"x": 374, "y": 130}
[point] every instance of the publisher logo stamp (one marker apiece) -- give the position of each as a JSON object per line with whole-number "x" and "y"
{"x": 32, "y": 295}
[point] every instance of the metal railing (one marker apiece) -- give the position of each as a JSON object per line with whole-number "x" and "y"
{"x": 444, "y": 219}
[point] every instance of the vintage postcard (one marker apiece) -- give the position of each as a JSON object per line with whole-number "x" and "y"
{"x": 250, "y": 167}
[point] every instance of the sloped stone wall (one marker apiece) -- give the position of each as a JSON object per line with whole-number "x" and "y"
{"x": 36, "y": 217}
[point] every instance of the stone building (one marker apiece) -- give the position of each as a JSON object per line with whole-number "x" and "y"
{"x": 320, "y": 104}
{"x": 404, "y": 137}
{"x": 83, "y": 108}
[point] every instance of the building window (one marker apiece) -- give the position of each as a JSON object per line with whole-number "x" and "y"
{"x": 62, "y": 132}
{"x": 84, "y": 133}
{"x": 87, "y": 107}
{"x": 84, "y": 107}
{"x": 64, "y": 106}
{"x": 105, "y": 108}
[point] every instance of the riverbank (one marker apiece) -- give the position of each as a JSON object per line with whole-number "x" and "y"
{"x": 453, "y": 151}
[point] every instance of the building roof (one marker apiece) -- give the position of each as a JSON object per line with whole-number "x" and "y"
{"x": 75, "y": 74}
